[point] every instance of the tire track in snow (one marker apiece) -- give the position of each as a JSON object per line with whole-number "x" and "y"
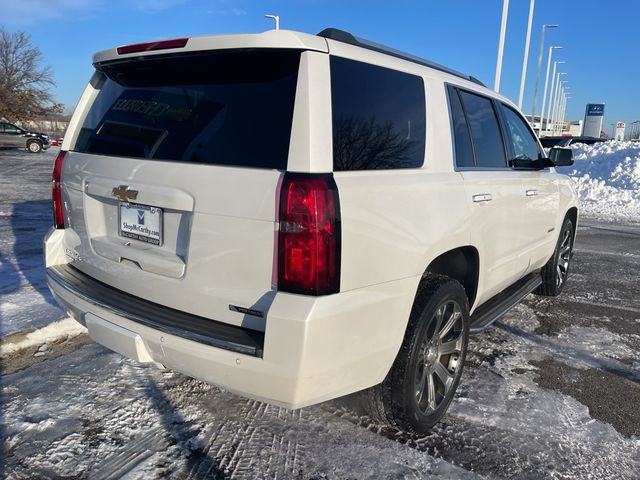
{"x": 245, "y": 444}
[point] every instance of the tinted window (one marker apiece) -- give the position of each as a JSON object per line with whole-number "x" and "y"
{"x": 225, "y": 108}
{"x": 378, "y": 117}
{"x": 485, "y": 132}
{"x": 522, "y": 142}
{"x": 464, "y": 150}
{"x": 8, "y": 128}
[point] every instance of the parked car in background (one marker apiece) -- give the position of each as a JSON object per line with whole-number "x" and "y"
{"x": 548, "y": 142}
{"x": 299, "y": 217}
{"x": 12, "y": 136}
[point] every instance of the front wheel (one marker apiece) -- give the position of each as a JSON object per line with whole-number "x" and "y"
{"x": 34, "y": 146}
{"x": 555, "y": 272}
{"x": 417, "y": 392}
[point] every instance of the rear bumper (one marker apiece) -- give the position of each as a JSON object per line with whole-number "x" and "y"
{"x": 314, "y": 348}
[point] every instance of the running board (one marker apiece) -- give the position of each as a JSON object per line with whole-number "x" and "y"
{"x": 496, "y": 307}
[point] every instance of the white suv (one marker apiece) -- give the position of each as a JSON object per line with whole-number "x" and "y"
{"x": 298, "y": 217}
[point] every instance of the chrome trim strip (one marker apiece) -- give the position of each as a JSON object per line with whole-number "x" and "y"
{"x": 214, "y": 342}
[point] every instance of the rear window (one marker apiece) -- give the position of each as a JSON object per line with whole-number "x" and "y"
{"x": 378, "y": 117}
{"x": 222, "y": 108}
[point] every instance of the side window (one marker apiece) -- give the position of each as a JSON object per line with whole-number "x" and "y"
{"x": 2, "y": 127}
{"x": 378, "y": 117}
{"x": 485, "y": 131}
{"x": 523, "y": 144}
{"x": 464, "y": 149}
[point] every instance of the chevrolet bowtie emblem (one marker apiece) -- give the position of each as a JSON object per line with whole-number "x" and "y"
{"x": 124, "y": 193}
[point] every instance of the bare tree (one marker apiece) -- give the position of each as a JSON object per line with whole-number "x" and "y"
{"x": 360, "y": 144}
{"x": 25, "y": 84}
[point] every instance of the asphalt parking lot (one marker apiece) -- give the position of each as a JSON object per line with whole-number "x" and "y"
{"x": 551, "y": 390}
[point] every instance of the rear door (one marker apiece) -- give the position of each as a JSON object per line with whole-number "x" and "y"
{"x": 170, "y": 185}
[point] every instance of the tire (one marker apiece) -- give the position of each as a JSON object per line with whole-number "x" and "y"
{"x": 555, "y": 272}
{"x": 34, "y": 146}
{"x": 423, "y": 380}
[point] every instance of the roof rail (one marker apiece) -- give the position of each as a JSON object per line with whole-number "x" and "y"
{"x": 346, "y": 37}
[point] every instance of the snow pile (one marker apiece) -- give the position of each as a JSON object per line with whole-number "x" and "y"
{"x": 62, "y": 329}
{"x": 607, "y": 179}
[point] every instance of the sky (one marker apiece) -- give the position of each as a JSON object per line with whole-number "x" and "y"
{"x": 597, "y": 37}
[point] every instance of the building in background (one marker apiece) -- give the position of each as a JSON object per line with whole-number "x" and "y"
{"x": 619, "y": 131}
{"x": 575, "y": 128}
{"x": 593, "y": 116}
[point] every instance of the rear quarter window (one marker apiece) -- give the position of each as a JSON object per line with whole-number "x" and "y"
{"x": 222, "y": 108}
{"x": 378, "y": 117}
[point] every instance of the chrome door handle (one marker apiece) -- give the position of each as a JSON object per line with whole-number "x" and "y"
{"x": 482, "y": 197}
{"x": 531, "y": 193}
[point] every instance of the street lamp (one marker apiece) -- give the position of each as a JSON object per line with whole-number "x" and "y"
{"x": 526, "y": 55}
{"x": 564, "y": 110}
{"x": 553, "y": 92}
{"x": 558, "y": 106}
{"x": 535, "y": 88}
{"x": 546, "y": 82}
{"x": 503, "y": 31}
{"x": 556, "y": 103}
{"x": 563, "y": 104}
{"x": 554, "y": 79}
{"x": 276, "y": 19}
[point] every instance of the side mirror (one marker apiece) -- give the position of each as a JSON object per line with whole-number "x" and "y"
{"x": 561, "y": 157}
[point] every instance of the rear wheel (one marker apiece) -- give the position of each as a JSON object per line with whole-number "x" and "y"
{"x": 34, "y": 146}
{"x": 555, "y": 272}
{"x": 417, "y": 392}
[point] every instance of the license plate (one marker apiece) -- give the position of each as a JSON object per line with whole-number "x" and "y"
{"x": 141, "y": 223}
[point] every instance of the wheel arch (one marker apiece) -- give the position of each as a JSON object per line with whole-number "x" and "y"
{"x": 462, "y": 264}
{"x": 572, "y": 214}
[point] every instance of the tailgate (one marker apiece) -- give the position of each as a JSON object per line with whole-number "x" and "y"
{"x": 170, "y": 190}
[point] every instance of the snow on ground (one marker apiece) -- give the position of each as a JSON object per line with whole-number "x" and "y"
{"x": 551, "y": 391}
{"x": 607, "y": 179}
{"x": 61, "y": 329}
{"x": 25, "y": 217}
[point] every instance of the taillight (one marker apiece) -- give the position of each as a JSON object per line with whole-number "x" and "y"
{"x": 309, "y": 235}
{"x": 56, "y": 191}
{"x": 150, "y": 46}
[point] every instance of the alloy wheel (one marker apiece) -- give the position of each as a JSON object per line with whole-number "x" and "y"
{"x": 564, "y": 257}
{"x": 439, "y": 357}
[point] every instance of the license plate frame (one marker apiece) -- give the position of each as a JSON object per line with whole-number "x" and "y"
{"x": 150, "y": 231}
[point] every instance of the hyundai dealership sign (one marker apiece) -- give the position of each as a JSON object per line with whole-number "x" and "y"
{"x": 593, "y": 120}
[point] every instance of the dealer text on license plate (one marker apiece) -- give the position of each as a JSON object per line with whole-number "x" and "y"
{"x": 141, "y": 222}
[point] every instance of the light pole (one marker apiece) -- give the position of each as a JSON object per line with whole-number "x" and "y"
{"x": 552, "y": 103}
{"x": 535, "y": 88}
{"x": 556, "y": 95}
{"x": 556, "y": 107}
{"x": 275, "y": 18}
{"x": 563, "y": 119}
{"x": 526, "y": 55}
{"x": 554, "y": 80}
{"x": 564, "y": 110}
{"x": 503, "y": 31}
{"x": 546, "y": 82}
